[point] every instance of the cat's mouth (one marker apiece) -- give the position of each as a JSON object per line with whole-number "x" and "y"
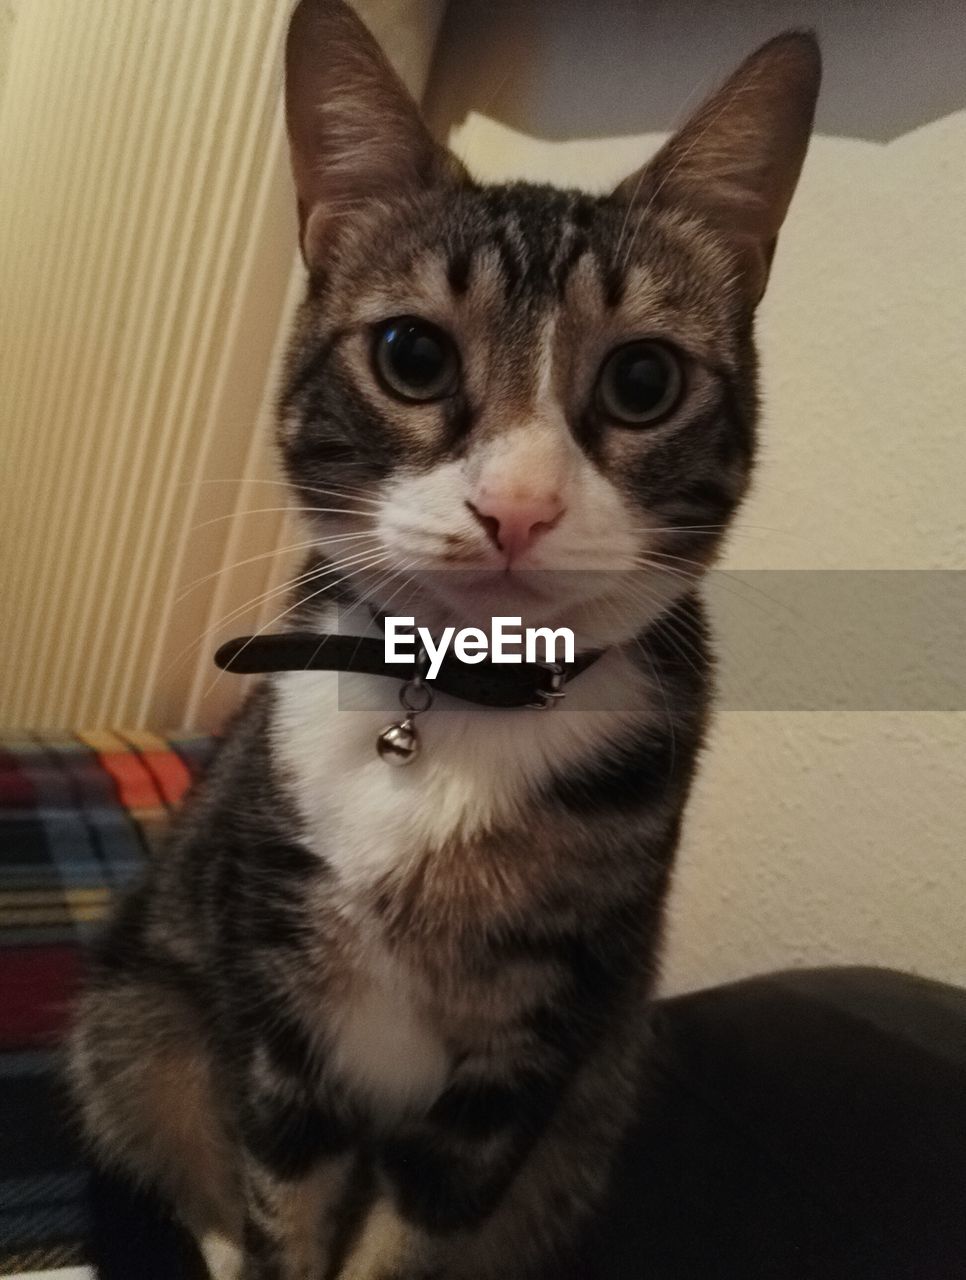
{"x": 491, "y": 591}
{"x": 587, "y": 602}
{"x": 601, "y": 602}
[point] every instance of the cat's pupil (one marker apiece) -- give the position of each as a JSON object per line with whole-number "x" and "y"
{"x": 415, "y": 359}
{"x": 641, "y": 381}
{"x": 416, "y": 354}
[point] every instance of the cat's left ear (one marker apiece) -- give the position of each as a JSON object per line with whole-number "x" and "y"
{"x": 735, "y": 163}
{"x": 355, "y": 132}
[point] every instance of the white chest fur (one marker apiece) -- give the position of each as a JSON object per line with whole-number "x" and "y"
{"x": 477, "y": 768}
{"x": 381, "y": 1042}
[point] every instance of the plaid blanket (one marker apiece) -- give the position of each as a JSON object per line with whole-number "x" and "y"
{"x": 78, "y": 816}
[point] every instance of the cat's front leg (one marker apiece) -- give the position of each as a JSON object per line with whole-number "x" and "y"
{"x": 389, "y": 1247}
{"x": 496, "y": 1181}
{"x": 290, "y": 1223}
{"x": 440, "y": 1184}
{"x": 297, "y": 1156}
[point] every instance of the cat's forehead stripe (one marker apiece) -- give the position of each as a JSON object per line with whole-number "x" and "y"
{"x": 458, "y": 271}
{"x": 536, "y": 238}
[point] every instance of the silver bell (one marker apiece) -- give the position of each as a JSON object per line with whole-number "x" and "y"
{"x": 399, "y": 744}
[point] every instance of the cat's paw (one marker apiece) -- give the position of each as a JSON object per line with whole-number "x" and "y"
{"x": 393, "y": 1273}
{"x": 223, "y": 1260}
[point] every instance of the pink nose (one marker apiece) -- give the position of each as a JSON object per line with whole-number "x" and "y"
{"x": 514, "y": 523}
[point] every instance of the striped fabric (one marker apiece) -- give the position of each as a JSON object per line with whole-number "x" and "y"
{"x": 78, "y": 816}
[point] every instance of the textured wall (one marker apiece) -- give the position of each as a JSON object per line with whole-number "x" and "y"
{"x": 147, "y": 263}
{"x": 814, "y": 836}
{"x": 8, "y": 18}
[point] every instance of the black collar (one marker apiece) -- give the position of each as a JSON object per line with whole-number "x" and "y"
{"x": 488, "y": 684}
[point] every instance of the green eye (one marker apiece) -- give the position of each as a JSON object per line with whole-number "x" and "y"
{"x": 416, "y": 360}
{"x": 640, "y": 383}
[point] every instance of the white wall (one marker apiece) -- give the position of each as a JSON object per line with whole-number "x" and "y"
{"x": 814, "y": 837}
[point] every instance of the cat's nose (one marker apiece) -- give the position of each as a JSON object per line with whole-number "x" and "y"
{"x": 514, "y": 521}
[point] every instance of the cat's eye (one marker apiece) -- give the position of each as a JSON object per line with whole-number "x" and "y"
{"x": 415, "y": 360}
{"x": 640, "y": 383}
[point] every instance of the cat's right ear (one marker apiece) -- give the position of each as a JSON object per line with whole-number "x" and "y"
{"x": 735, "y": 163}
{"x": 355, "y": 132}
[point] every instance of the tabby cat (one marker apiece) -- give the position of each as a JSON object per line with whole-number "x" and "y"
{"x": 377, "y": 1024}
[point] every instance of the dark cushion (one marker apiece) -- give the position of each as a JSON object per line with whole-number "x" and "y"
{"x": 802, "y": 1126}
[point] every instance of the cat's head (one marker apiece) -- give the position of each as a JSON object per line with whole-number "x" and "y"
{"x": 487, "y": 383}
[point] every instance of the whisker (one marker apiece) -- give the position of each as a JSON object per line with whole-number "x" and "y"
{"x": 385, "y": 581}
{"x": 667, "y": 704}
{"x": 636, "y": 639}
{"x": 684, "y": 575}
{"x": 285, "y": 613}
{"x": 340, "y": 491}
{"x": 674, "y": 633}
{"x": 260, "y": 511}
{"x": 649, "y": 556}
{"x": 384, "y": 604}
{"x": 289, "y": 584}
{"x": 724, "y": 579}
{"x": 740, "y": 528}
{"x": 313, "y": 575}
{"x": 265, "y": 555}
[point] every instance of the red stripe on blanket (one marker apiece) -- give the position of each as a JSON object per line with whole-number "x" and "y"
{"x": 170, "y": 773}
{"x": 136, "y": 789}
{"x": 16, "y": 789}
{"x": 37, "y": 985}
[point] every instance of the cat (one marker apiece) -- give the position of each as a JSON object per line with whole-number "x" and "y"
{"x": 381, "y": 1024}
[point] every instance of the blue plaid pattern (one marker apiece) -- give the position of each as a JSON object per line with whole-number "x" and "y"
{"x": 78, "y": 816}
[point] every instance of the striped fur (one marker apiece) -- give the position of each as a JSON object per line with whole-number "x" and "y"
{"x": 383, "y": 1025}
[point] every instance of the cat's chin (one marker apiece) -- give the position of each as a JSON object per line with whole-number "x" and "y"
{"x": 473, "y": 598}
{"x": 602, "y": 609}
